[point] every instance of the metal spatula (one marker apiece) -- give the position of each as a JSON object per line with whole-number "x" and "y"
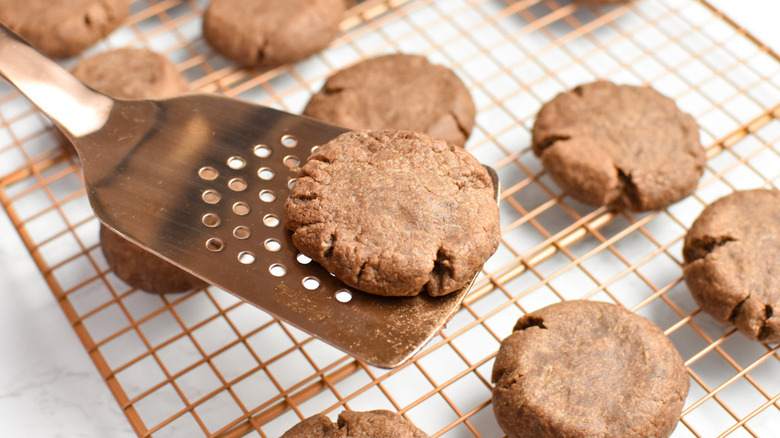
{"x": 200, "y": 180}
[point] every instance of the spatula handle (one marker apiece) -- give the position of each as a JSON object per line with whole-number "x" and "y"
{"x": 70, "y": 104}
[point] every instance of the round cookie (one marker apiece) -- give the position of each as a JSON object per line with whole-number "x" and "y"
{"x": 732, "y": 260}
{"x": 351, "y": 424}
{"x": 269, "y": 33}
{"x": 394, "y": 213}
{"x": 131, "y": 74}
{"x": 61, "y": 29}
{"x": 398, "y": 91}
{"x": 619, "y": 145}
{"x": 587, "y": 369}
{"x": 142, "y": 269}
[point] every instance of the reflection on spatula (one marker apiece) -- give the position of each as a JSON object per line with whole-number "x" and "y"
{"x": 200, "y": 180}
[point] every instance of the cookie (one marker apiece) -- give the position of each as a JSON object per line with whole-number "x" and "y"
{"x": 394, "y": 213}
{"x": 732, "y": 261}
{"x": 587, "y": 369}
{"x": 404, "y": 92}
{"x": 619, "y": 145}
{"x": 269, "y": 33}
{"x": 131, "y": 74}
{"x": 61, "y": 29}
{"x": 144, "y": 270}
{"x": 351, "y": 424}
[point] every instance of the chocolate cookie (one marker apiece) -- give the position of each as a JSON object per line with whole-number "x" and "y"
{"x": 142, "y": 269}
{"x": 131, "y": 74}
{"x": 587, "y": 369}
{"x": 732, "y": 261}
{"x": 61, "y": 29}
{"x": 397, "y": 92}
{"x": 351, "y": 424}
{"x": 268, "y": 33}
{"x": 619, "y": 145}
{"x": 394, "y": 212}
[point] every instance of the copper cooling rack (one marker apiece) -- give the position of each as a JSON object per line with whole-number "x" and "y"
{"x": 205, "y": 364}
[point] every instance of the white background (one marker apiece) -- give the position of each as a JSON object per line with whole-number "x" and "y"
{"x": 49, "y": 386}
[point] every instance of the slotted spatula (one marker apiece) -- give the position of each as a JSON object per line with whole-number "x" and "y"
{"x": 200, "y": 180}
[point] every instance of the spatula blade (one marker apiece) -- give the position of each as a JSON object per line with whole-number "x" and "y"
{"x": 203, "y": 183}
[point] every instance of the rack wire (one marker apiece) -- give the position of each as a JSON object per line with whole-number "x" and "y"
{"x": 206, "y": 364}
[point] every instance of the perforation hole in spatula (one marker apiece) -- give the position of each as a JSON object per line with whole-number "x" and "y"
{"x": 249, "y": 226}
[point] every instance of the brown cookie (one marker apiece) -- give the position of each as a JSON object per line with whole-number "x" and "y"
{"x": 268, "y": 33}
{"x": 394, "y": 213}
{"x": 61, "y": 29}
{"x": 619, "y": 145}
{"x": 142, "y": 269}
{"x": 587, "y": 369}
{"x": 732, "y": 262}
{"x": 131, "y": 74}
{"x": 351, "y": 424}
{"x": 397, "y": 92}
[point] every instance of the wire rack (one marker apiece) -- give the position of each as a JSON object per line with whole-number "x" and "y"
{"x": 207, "y": 364}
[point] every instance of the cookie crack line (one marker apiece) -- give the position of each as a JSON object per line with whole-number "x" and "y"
{"x": 512, "y": 379}
{"x": 344, "y": 426}
{"x": 628, "y": 189}
{"x": 765, "y": 330}
{"x": 440, "y": 270}
{"x": 548, "y": 142}
{"x": 528, "y": 322}
{"x": 328, "y": 253}
{"x": 466, "y": 133}
{"x": 701, "y": 248}
{"x": 306, "y": 197}
{"x": 260, "y": 52}
{"x": 88, "y": 19}
{"x": 512, "y": 382}
{"x": 333, "y": 90}
{"x": 735, "y": 311}
{"x": 361, "y": 271}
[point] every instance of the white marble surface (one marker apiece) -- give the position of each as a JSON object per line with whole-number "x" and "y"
{"x": 49, "y": 386}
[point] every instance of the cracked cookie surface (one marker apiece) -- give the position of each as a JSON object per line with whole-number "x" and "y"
{"x": 732, "y": 262}
{"x": 394, "y": 213}
{"x": 397, "y": 92}
{"x": 61, "y": 29}
{"x": 587, "y": 369}
{"x": 619, "y": 145}
{"x": 352, "y": 424}
{"x": 269, "y": 33}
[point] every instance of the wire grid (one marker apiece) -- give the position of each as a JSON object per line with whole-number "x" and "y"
{"x": 207, "y": 364}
